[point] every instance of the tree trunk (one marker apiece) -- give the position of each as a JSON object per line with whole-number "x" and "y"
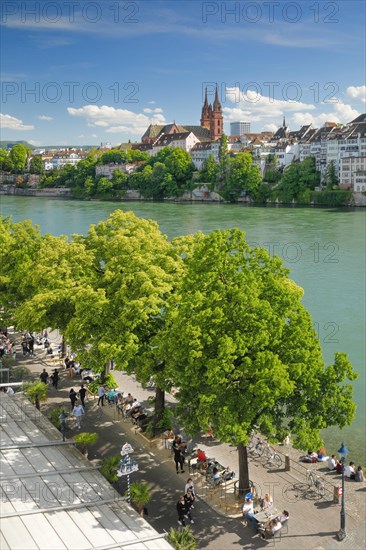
{"x": 159, "y": 404}
{"x": 63, "y": 347}
{"x": 244, "y": 486}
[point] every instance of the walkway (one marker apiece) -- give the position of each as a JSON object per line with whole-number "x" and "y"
{"x": 313, "y": 523}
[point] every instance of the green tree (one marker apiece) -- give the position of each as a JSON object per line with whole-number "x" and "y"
{"x": 210, "y": 171}
{"x": 242, "y": 176}
{"x": 18, "y": 156}
{"x": 240, "y": 346}
{"x": 36, "y": 165}
{"x": 6, "y": 164}
{"x": 119, "y": 179}
{"x": 331, "y": 178}
{"x": 179, "y": 165}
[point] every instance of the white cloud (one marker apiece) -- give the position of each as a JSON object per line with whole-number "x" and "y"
{"x": 341, "y": 114}
{"x": 13, "y": 123}
{"x": 34, "y": 142}
{"x": 357, "y": 92}
{"x": 256, "y": 107}
{"x": 94, "y": 136}
{"x": 117, "y": 120}
{"x": 269, "y": 128}
{"x": 81, "y": 136}
{"x": 157, "y": 110}
{"x": 45, "y": 117}
{"x": 151, "y": 102}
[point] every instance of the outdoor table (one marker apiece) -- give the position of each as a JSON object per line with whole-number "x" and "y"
{"x": 265, "y": 515}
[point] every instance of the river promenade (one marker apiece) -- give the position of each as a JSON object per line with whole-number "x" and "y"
{"x": 313, "y": 522}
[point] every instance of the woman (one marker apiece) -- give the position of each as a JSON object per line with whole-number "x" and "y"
{"x": 189, "y": 486}
{"x": 267, "y": 502}
{"x": 73, "y": 396}
{"x": 178, "y": 455}
{"x": 189, "y": 499}
{"x": 359, "y": 475}
{"x": 183, "y": 511}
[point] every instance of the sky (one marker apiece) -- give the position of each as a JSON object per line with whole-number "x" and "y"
{"x": 85, "y": 72}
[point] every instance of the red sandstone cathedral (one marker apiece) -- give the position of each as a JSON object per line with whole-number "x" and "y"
{"x": 211, "y": 129}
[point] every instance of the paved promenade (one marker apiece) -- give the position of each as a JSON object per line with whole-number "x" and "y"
{"x": 313, "y": 523}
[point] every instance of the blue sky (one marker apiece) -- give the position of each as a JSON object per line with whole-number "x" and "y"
{"x": 84, "y": 72}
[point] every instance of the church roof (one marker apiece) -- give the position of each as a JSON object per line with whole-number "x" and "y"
{"x": 199, "y": 131}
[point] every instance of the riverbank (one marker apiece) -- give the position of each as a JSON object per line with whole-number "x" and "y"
{"x": 314, "y": 522}
{"x": 196, "y": 195}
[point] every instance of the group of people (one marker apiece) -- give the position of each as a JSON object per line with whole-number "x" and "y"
{"x": 349, "y": 470}
{"x": 274, "y": 522}
{"x": 55, "y": 377}
{"x": 185, "y": 503}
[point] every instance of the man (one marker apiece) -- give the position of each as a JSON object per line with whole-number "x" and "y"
{"x": 44, "y": 376}
{"x": 350, "y": 471}
{"x": 248, "y": 513}
{"x": 332, "y": 463}
{"x": 78, "y": 412}
{"x": 82, "y": 394}
{"x": 101, "y": 395}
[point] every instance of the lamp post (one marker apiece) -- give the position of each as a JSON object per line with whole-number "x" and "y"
{"x": 343, "y": 451}
{"x": 127, "y": 465}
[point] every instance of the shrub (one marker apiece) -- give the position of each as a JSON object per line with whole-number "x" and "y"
{"x": 84, "y": 440}
{"x": 109, "y": 468}
{"x": 36, "y": 392}
{"x": 55, "y": 417}
{"x": 20, "y": 373}
{"x": 140, "y": 495}
{"x": 182, "y": 539}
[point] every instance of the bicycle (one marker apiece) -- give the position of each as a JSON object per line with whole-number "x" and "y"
{"x": 314, "y": 480}
{"x": 272, "y": 456}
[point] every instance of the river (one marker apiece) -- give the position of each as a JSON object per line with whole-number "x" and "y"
{"x": 324, "y": 248}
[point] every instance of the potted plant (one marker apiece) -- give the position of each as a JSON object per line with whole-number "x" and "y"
{"x": 84, "y": 440}
{"x": 36, "y": 392}
{"x": 109, "y": 468}
{"x": 182, "y": 539}
{"x": 140, "y": 496}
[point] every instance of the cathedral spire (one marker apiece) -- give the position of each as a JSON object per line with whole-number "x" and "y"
{"x": 284, "y": 122}
{"x": 216, "y": 104}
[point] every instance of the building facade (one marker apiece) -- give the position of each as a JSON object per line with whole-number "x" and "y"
{"x": 239, "y": 128}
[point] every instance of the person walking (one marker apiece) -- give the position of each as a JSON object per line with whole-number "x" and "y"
{"x": 14, "y": 351}
{"x": 44, "y": 376}
{"x": 82, "y": 394}
{"x": 178, "y": 455}
{"x": 78, "y": 412}
{"x": 101, "y": 395}
{"x": 183, "y": 512}
{"x": 55, "y": 378}
{"x": 189, "y": 486}
{"x": 73, "y": 398}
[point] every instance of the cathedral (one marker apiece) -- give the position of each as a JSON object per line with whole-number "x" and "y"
{"x": 211, "y": 117}
{"x": 211, "y": 128}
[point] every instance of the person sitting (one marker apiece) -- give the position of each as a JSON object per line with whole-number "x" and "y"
{"x": 134, "y": 406}
{"x": 359, "y": 475}
{"x": 110, "y": 396}
{"x": 339, "y": 467}
{"x": 266, "y": 502}
{"x": 332, "y": 462}
{"x": 248, "y": 513}
{"x": 216, "y": 476}
{"x": 227, "y": 474}
{"x": 349, "y": 471}
{"x": 270, "y": 527}
{"x": 322, "y": 455}
{"x": 283, "y": 517}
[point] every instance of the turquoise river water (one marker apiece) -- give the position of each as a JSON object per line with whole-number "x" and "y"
{"x": 324, "y": 248}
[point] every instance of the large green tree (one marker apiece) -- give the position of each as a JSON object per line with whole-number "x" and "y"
{"x": 242, "y": 176}
{"x": 240, "y": 346}
{"x": 18, "y": 156}
{"x": 36, "y": 165}
{"x": 6, "y": 164}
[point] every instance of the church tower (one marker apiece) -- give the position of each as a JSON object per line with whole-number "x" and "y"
{"x": 217, "y": 120}
{"x": 206, "y": 113}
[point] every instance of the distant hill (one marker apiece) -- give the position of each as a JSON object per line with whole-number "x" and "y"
{"x": 5, "y": 144}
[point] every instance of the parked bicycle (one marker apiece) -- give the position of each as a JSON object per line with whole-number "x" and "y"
{"x": 315, "y": 481}
{"x": 263, "y": 449}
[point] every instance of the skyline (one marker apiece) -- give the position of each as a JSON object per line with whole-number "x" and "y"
{"x": 90, "y": 72}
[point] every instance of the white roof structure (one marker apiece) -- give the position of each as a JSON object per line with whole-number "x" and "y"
{"x": 53, "y": 498}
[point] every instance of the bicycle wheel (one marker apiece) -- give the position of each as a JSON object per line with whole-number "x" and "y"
{"x": 277, "y": 460}
{"x": 259, "y": 449}
{"x": 321, "y": 489}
